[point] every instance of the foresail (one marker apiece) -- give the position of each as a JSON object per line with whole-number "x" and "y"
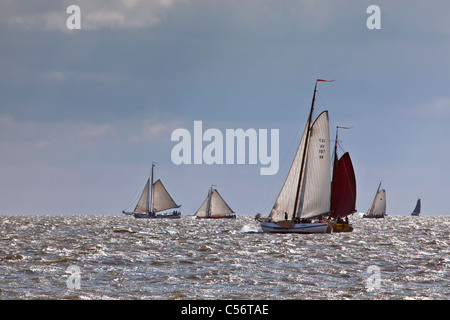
{"x": 316, "y": 187}
{"x": 143, "y": 205}
{"x": 203, "y": 210}
{"x": 218, "y": 206}
{"x": 161, "y": 198}
{"x": 286, "y": 199}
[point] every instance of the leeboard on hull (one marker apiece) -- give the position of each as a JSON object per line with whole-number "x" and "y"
{"x": 293, "y": 227}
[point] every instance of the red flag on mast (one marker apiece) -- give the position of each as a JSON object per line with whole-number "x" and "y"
{"x": 325, "y": 80}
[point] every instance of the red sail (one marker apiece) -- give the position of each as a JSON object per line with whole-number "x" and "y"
{"x": 343, "y": 188}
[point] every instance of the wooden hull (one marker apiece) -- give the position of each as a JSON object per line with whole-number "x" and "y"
{"x": 290, "y": 226}
{"x": 342, "y": 227}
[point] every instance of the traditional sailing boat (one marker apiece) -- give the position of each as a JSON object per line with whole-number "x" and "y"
{"x": 306, "y": 192}
{"x": 416, "y": 211}
{"x": 343, "y": 190}
{"x": 378, "y": 207}
{"x": 154, "y": 199}
{"x": 214, "y": 207}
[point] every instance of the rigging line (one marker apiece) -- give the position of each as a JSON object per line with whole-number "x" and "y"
{"x": 323, "y": 105}
{"x": 137, "y": 195}
{"x": 294, "y": 139}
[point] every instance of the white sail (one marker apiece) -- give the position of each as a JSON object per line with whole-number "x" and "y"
{"x": 203, "y": 210}
{"x": 218, "y": 206}
{"x": 379, "y": 204}
{"x": 315, "y": 187}
{"x": 286, "y": 199}
{"x": 214, "y": 206}
{"x": 161, "y": 198}
{"x": 143, "y": 203}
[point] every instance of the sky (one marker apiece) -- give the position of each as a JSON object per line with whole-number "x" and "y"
{"x": 85, "y": 112}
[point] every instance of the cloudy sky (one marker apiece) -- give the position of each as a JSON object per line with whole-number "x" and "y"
{"x": 84, "y": 113}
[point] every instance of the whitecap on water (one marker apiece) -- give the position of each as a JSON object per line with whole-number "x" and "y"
{"x": 250, "y": 229}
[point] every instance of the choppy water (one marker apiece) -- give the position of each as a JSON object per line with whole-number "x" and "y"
{"x": 119, "y": 257}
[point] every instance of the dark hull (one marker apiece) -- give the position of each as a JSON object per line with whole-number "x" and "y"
{"x": 232, "y": 216}
{"x": 173, "y": 215}
{"x": 374, "y": 216}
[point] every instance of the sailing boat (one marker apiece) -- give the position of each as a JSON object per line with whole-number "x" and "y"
{"x": 343, "y": 190}
{"x": 214, "y": 207}
{"x": 378, "y": 207}
{"x": 416, "y": 211}
{"x": 154, "y": 199}
{"x": 306, "y": 192}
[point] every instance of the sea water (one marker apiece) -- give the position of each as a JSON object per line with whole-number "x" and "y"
{"x": 118, "y": 257}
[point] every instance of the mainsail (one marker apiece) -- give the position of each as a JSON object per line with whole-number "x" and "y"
{"x": 416, "y": 211}
{"x": 343, "y": 189}
{"x": 161, "y": 198}
{"x": 214, "y": 206}
{"x": 378, "y": 207}
{"x": 312, "y": 192}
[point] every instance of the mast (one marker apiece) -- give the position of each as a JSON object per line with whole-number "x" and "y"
{"x": 335, "y": 144}
{"x": 150, "y": 195}
{"x": 208, "y": 207}
{"x": 334, "y": 177}
{"x": 295, "y": 213}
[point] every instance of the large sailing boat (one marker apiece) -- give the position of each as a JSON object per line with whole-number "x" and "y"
{"x": 306, "y": 192}
{"x": 154, "y": 199}
{"x": 343, "y": 190}
{"x": 214, "y": 207}
{"x": 378, "y": 207}
{"x": 416, "y": 211}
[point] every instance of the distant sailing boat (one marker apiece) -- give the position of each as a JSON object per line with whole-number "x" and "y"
{"x": 343, "y": 190}
{"x": 214, "y": 207}
{"x": 154, "y": 199}
{"x": 306, "y": 192}
{"x": 378, "y": 207}
{"x": 416, "y": 211}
